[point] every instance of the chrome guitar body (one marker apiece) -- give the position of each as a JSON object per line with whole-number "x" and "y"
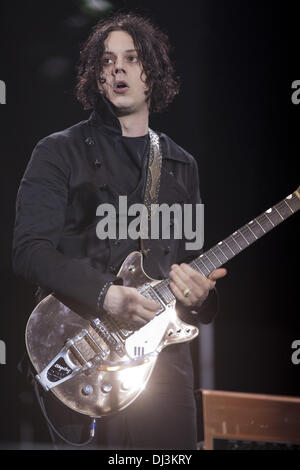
{"x": 95, "y": 367}
{"x": 98, "y": 366}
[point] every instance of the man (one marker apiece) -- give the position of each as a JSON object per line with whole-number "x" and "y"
{"x": 124, "y": 74}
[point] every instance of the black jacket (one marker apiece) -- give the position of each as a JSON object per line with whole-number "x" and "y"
{"x": 55, "y": 243}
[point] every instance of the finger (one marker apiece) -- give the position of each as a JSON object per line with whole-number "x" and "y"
{"x": 136, "y": 298}
{"x": 181, "y": 281}
{"x": 198, "y": 284}
{"x": 197, "y": 278}
{"x": 145, "y": 314}
{"x": 217, "y": 274}
{"x": 148, "y": 304}
{"x": 179, "y": 294}
{"x": 140, "y": 315}
{"x": 198, "y": 287}
{"x": 193, "y": 279}
{"x": 136, "y": 321}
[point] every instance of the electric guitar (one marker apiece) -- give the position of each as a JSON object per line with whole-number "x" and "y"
{"x": 97, "y": 366}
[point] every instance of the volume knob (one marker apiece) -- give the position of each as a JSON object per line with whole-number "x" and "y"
{"x": 87, "y": 390}
{"x": 106, "y": 388}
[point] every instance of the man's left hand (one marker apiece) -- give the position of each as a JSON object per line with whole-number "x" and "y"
{"x": 190, "y": 287}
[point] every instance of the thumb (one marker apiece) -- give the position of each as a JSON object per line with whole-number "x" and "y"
{"x": 217, "y": 274}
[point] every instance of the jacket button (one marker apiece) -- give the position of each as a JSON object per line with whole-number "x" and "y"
{"x": 89, "y": 141}
{"x": 116, "y": 242}
{"x": 167, "y": 250}
{"x": 97, "y": 163}
{"x": 113, "y": 269}
{"x": 103, "y": 186}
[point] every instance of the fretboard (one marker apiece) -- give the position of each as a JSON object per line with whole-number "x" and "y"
{"x": 226, "y": 249}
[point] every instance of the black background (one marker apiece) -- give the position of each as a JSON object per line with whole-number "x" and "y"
{"x": 237, "y": 61}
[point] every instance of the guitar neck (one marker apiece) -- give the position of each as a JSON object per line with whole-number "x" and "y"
{"x": 225, "y": 250}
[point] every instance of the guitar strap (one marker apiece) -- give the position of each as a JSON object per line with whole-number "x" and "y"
{"x": 151, "y": 194}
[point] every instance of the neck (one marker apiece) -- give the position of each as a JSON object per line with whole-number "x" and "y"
{"x": 134, "y": 125}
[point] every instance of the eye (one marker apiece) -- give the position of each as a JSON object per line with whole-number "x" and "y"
{"x": 132, "y": 58}
{"x": 107, "y": 61}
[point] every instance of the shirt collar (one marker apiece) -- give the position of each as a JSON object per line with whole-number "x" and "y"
{"x": 104, "y": 118}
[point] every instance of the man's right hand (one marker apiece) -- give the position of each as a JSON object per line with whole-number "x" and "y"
{"x": 127, "y": 304}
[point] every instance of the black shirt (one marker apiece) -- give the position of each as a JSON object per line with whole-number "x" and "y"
{"x": 124, "y": 166}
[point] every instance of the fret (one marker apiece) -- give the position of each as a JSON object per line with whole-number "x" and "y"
{"x": 274, "y": 216}
{"x": 194, "y": 265}
{"x": 220, "y": 255}
{"x": 236, "y": 243}
{"x": 251, "y": 233}
{"x": 208, "y": 257}
{"x": 265, "y": 222}
{"x": 284, "y": 210}
{"x": 269, "y": 218}
{"x": 218, "y": 262}
{"x": 247, "y": 242}
{"x": 233, "y": 246}
{"x": 256, "y": 229}
{"x": 204, "y": 270}
{"x": 219, "y": 246}
{"x": 233, "y": 253}
{"x": 239, "y": 239}
{"x": 260, "y": 225}
{"x": 205, "y": 256}
{"x": 286, "y": 201}
{"x": 279, "y": 214}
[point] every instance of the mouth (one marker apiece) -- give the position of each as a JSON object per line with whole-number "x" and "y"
{"x": 120, "y": 87}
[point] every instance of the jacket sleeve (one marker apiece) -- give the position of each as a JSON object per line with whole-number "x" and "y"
{"x": 210, "y": 307}
{"x": 40, "y": 216}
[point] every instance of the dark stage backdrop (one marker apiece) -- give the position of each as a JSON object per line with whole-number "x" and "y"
{"x": 234, "y": 114}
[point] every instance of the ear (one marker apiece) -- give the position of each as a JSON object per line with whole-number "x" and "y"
{"x": 100, "y": 82}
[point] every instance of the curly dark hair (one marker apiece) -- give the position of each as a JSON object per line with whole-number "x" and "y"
{"x": 153, "y": 50}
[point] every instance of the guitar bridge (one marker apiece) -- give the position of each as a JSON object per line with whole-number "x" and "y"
{"x": 112, "y": 339}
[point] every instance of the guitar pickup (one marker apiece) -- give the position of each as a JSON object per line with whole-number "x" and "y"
{"x": 148, "y": 291}
{"x": 110, "y": 338}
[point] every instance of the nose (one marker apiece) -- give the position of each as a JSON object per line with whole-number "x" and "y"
{"x": 119, "y": 65}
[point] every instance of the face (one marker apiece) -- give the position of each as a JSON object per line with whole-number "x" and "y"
{"x": 124, "y": 78}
